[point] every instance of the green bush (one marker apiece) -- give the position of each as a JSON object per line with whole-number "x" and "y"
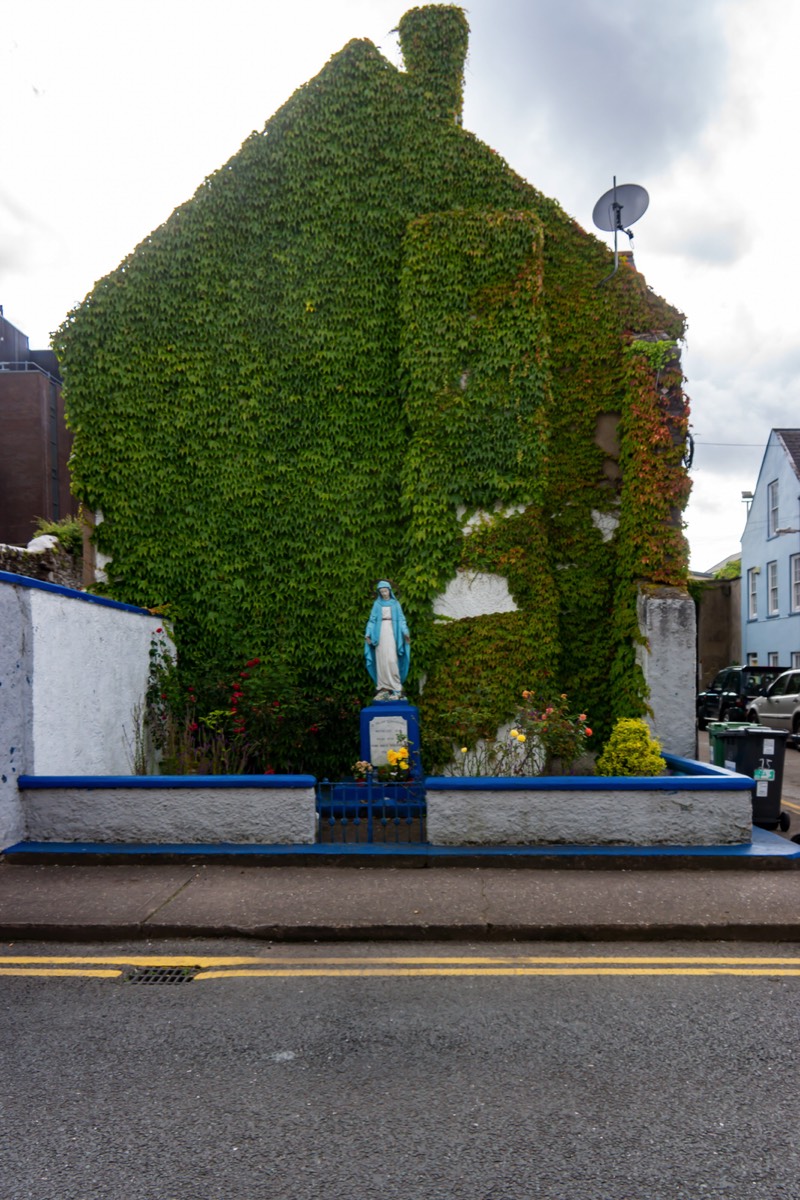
{"x": 68, "y": 530}
{"x": 257, "y": 720}
{"x": 631, "y": 750}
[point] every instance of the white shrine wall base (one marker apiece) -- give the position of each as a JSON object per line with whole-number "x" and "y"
{"x": 708, "y": 806}
{"x": 177, "y": 809}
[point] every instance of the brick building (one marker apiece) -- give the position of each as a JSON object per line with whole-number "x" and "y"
{"x": 34, "y": 441}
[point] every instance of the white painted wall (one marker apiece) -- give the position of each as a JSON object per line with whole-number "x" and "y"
{"x": 72, "y": 668}
{"x": 91, "y": 664}
{"x": 685, "y": 817}
{"x": 16, "y": 674}
{"x": 257, "y": 815}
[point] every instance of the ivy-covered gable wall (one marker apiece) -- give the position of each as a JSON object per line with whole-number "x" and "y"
{"x": 362, "y": 324}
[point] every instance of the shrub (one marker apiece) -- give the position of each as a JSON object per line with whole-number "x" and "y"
{"x": 631, "y": 750}
{"x": 68, "y": 530}
{"x": 258, "y": 719}
{"x": 546, "y": 739}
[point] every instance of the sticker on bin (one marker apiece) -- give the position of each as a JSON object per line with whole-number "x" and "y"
{"x": 768, "y": 746}
{"x": 730, "y": 765}
{"x": 763, "y": 773}
{"x": 762, "y": 789}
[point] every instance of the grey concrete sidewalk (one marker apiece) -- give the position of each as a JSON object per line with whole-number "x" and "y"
{"x": 126, "y": 901}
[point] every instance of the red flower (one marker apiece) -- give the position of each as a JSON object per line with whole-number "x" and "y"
{"x": 269, "y": 771}
{"x": 253, "y": 662}
{"x": 159, "y": 630}
{"x": 243, "y": 675}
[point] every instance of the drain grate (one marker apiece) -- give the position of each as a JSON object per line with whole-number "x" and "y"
{"x": 154, "y": 975}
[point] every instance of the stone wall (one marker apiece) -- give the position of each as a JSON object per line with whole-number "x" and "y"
{"x": 50, "y": 563}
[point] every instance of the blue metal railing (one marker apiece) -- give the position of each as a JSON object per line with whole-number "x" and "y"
{"x": 359, "y": 813}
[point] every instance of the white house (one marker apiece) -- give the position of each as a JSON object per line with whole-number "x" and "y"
{"x": 771, "y": 557}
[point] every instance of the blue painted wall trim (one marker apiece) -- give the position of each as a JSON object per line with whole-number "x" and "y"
{"x": 695, "y": 776}
{"x": 90, "y": 782}
{"x": 73, "y": 593}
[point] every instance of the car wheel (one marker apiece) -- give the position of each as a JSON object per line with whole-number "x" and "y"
{"x": 752, "y": 717}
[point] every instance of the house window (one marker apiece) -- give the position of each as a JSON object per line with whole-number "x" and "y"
{"x": 772, "y": 659}
{"x": 796, "y": 658}
{"x": 772, "y": 506}
{"x": 752, "y": 603}
{"x": 772, "y": 589}
{"x": 794, "y": 576}
{"x": 752, "y": 659}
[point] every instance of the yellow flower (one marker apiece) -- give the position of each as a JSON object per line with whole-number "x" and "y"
{"x": 514, "y": 733}
{"x": 463, "y": 749}
{"x": 521, "y": 737}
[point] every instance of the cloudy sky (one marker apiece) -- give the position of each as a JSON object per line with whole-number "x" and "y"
{"x": 114, "y": 112}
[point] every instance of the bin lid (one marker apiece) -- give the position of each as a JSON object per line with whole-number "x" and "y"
{"x": 737, "y": 731}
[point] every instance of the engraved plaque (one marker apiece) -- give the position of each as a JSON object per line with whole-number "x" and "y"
{"x": 385, "y": 733}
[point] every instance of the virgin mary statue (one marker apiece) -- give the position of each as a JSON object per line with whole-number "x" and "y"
{"x": 387, "y": 648}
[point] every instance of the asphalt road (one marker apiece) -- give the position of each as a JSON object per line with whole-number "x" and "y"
{"x": 439, "y": 1072}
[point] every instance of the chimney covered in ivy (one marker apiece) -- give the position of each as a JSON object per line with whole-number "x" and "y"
{"x": 434, "y": 41}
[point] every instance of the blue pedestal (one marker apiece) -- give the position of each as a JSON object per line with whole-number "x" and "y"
{"x": 383, "y": 726}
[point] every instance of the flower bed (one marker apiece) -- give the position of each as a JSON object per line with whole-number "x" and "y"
{"x": 695, "y": 805}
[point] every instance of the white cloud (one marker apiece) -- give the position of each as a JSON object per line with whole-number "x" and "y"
{"x": 120, "y": 110}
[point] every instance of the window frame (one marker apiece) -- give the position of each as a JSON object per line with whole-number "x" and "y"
{"x": 773, "y": 595}
{"x": 752, "y": 593}
{"x": 794, "y": 583}
{"x": 773, "y": 509}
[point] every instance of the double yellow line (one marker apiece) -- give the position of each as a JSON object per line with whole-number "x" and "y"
{"x": 397, "y": 966}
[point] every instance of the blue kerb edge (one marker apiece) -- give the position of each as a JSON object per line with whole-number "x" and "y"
{"x": 72, "y": 593}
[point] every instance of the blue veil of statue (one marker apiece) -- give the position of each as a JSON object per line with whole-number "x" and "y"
{"x": 399, "y": 628}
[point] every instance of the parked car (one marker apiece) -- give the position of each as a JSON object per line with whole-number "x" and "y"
{"x": 730, "y": 695}
{"x": 779, "y": 705}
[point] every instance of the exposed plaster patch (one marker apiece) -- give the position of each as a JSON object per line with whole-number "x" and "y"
{"x": 607, "y": 523}
{"x": 481, "y": 517}
{"x": 474, "y": 594}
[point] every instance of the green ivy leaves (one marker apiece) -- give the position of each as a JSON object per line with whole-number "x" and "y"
{"x": 360, "y": 323}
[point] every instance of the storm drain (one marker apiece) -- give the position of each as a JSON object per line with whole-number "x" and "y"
{"x": 154, "y": 975}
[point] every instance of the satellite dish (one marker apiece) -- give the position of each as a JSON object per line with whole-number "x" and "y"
{"x": 622, "y": 206}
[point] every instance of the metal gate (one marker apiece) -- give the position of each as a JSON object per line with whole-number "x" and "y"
{"x": 371, "y": 812}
